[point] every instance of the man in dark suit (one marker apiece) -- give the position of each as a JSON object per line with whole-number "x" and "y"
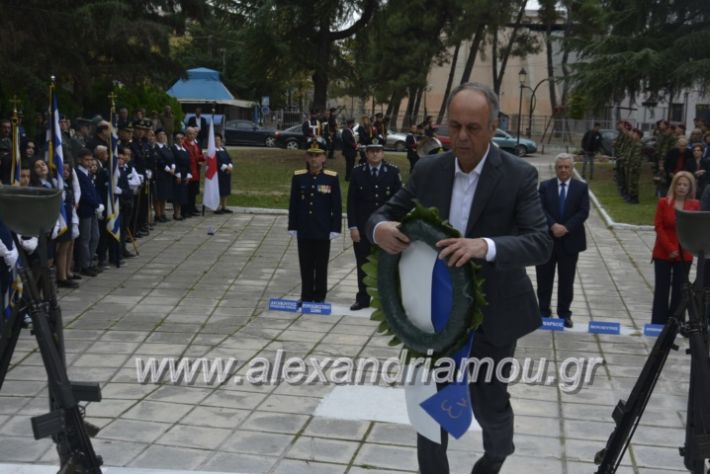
{"x": 349, "y": 147}
{"x": 371, "y": 184}
{"x": 566, "y": 205}
{"x": 491, "y": 197}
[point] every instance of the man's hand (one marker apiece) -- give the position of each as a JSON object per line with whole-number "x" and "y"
{"x": 558, "y": 230}
{"x": 355, "y": 234}
{"x": 389, "y": 238}
{"x": 674, "y": 254}
{"x": 459, "y": 251}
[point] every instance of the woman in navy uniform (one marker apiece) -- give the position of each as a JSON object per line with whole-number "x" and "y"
{"x": 371, "y": 185}
{"x": 182, "y": 175}
{"x": 164, "y": 175}
{"x": 314, "y": 218}
{"x": 224, "y": 175}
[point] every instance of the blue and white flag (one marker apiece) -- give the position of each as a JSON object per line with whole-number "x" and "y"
{"x": 55, "y": 159}
{"x": 113, "y": 223}
{"x": 427, "y": 296}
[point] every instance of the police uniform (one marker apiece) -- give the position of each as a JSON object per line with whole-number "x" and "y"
{"x": 314, "y": 217}
{"x": 369, "y": 189}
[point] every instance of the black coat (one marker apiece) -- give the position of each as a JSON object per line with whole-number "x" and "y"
{"x": 576, "y": 212}
{"x": 182, "y": 168}
{"x": 225, "y": 179}
{"x": 349, "y": 143}
{"x": 315, "y": 209}
{"x": 164, "y": 181}
{"x": 367, "y": 193}
{"x": 506, "y": 208}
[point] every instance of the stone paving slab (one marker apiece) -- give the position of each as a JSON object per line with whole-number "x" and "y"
{"x": 189, "y": 294}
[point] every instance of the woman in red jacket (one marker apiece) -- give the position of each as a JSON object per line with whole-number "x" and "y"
{"x": 671, "y": 262}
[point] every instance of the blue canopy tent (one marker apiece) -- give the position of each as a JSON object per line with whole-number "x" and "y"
{"x": 203, "y": 88}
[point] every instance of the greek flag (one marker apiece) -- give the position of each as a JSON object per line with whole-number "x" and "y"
{"x": 55, "y": 160}
{"x": 427, "y": 296}
{"x": 113, "y": 222}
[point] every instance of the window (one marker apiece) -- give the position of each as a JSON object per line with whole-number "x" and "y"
{"x": 677, "y": 113}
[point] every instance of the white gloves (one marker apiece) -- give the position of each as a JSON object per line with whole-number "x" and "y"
{"x": 168, "y": 169}
{"x": 9, "y": 255}
{"x": 189, "y": 176}
{"x": 230, "y": 166}
{"x": 293, "y": 233}
{"x": 30, "y": 245}
{"x": 224, "y": 167}
{"x": 334, "y": 235}
{"x": 100, "y": 211}
{"x": 148, "y": 174}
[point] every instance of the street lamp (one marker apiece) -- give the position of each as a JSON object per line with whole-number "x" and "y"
{"x": 523, "y": 77}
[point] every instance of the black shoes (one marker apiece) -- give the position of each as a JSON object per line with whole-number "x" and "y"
{"x": 567, "y": 322}
{"x": 227, "y": 211}
{"x": 88, "y": 272}
{"x": 488, "y": 465}
{"x": 358, "y": 306}
{"x": 67, "y": 284}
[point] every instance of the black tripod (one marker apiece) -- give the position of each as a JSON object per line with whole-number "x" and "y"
{"x": 64, "y": 422}
{"x": 692, "y": 228}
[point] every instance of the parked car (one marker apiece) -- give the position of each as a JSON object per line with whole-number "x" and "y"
{"x": 246, "y": 132}
{"x": 396, "y": 141}
{"x": 292, "y": 138}
{"x": 502, "y": 139}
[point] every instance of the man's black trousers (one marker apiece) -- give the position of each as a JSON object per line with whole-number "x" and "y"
{"x": 313, "y": 259}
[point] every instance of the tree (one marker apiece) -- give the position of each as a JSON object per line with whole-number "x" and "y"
{"x": 86, "y": 45}
{"x": 649, "y": 47}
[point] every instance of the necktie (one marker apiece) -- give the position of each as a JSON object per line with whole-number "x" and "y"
{"x": 373, "y": 171}
{"x": 563, "y": 195}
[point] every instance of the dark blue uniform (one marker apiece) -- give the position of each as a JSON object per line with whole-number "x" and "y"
{"x": 365, "y": 195}
{"x": 315, "y": 211}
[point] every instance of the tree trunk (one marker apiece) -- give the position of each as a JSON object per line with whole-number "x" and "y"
{"x": 472, "y": 53}
{"x": 449, "y": 82}
{"x": 417, "y": 103}
{"x": 322, "y": 60}
{"x": 550, "y": 67}
{"x": 494, "y": 59}
{"x": 393, "y": 108}
{"x": 498, "y": 79}
{"x": 407, "y": 122}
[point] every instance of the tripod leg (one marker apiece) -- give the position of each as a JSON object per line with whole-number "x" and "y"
{"x": 628, "y": 414}
{"x": 9, "y": 334}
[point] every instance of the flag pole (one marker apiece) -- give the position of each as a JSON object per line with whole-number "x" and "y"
{"x": 50, "y": 125}
{"x": 14, "y": 180}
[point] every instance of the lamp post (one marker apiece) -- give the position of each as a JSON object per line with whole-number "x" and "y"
{"x": 522, "y": 76}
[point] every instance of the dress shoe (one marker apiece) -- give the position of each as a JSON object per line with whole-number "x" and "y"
{"x": 88, "y": 272}
{"x": 177, "y": 218}
{"x": 357, "y": 306}
{"x": 219, "y": 211}
{"x": 67, "y": 284}
{"x": 488, "y": 465}
{"x": 127, "y": 254}
{"x": 195, "y": 213}
{"x": 140, "y": 234}
{"x": 567, "y": 322}
{"x": 227, "y": 211}
{"x": 96, "y": 269}
{"x": 299, "y": 303}
{"x": 75, "y": 276}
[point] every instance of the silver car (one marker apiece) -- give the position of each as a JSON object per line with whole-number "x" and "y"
{"x": 396, "y": 141}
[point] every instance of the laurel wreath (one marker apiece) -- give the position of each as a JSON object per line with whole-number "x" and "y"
{"x": 382, "y": 280}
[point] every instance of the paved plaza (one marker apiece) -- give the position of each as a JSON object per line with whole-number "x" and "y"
{"x": 190, "y": 294}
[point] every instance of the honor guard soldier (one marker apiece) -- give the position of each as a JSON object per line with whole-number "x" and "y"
{"x": 371, "y": 185}
{"x": 314, "y": 218}
{"x": 311, "y": 128}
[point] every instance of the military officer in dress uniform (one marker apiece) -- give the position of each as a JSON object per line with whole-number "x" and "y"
{"x": 314, "y": 218}
{"x": 371, "y": 185}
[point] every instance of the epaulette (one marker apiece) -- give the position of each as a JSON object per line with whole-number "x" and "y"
{"x": 299, "y": 172}
{"x": 391, "y": 165}
{"x": 330, "y": 172}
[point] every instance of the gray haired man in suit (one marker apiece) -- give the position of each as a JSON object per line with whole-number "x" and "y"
{"x": 491, "y": 197}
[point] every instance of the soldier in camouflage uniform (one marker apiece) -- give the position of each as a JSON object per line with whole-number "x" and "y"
{"x": 620, "y": 152}
{"x": 665, "y": 141}
{"x": 634, "y": 160}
